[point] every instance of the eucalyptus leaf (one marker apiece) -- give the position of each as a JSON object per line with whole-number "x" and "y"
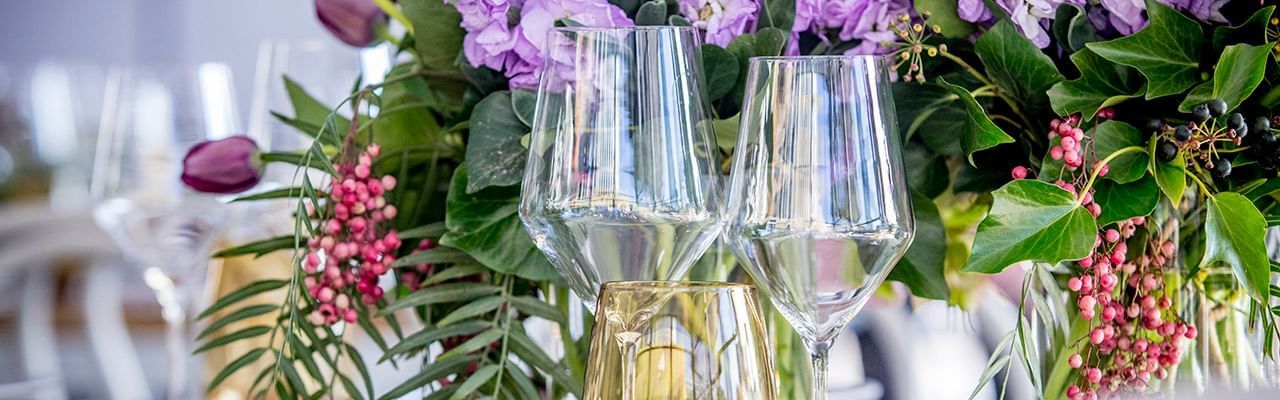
{"x": 1120, "y": 202}
{"x": 1102, "y": 83}
{"x": 484, "y": 224}
{"x": 1031, "y": 220}
{"x": 921, "y": 269}
{"x": 1166, "y": 52}
{"x": 978, "y": 133}
{"x": 495, "y": 156}
{"x": 1235, "y": 234}
{"x": 1112, "y": 136}
{"x": 1016, "y": 65}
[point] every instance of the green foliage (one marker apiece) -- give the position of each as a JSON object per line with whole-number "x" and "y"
{"x": 1170, "y": 176}
{"x": 1234, "y": 235}
{"x": 721, "y": 69}
{"x": 1071, "y": 27}
{"x": 1114, "y": 137}
{"x": 1240, "y": 70}
{"x": 1031, "y": 221}
{"x": 477, "y": 221}
{"x": 922, "y": 267}
{"x": 944, "y": 14}
{"x": 495, "y": 156}
{"x": 1016, "y": 65}
{"x": 978, "y": 132}
{"x": 1102, "y": 83}
{"x": 1124, "y": 201}
{"x": 437, "y": 34}
{"x": 1167, "y": 51}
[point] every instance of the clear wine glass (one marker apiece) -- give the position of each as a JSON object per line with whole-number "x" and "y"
{"x": 621, "y": 182}
{"x": 150, "y": 119}
{"x": 818, "y": 207}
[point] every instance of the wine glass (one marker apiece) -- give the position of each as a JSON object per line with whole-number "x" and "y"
{"x": 818, "y": 206}
{"x": 703, "y": 340}
{"x": 621, "y": 182}
{"x": 150, "y": 119}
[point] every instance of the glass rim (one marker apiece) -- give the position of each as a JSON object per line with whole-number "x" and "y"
{"x": 679, "y": 286}
{"x": 804, "y": 58}
{"x": 622, "y": 28}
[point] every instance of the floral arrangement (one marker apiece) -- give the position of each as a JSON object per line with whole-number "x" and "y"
{"x": 1121, "y": 152}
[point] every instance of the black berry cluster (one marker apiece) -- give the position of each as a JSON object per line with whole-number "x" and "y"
{"x": 1199, "y": 137}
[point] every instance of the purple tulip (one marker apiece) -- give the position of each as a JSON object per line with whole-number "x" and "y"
{"x": 355, "y": 22}
{"x": 228, "y": 165}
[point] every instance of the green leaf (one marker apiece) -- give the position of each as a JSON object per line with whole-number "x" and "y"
{"x": 253, "y": 331}
{"x": 1031, "y": 220}
{"x": 1251, "y": 31}
{"x": 726, "y": 132}
{"x": 770, "y": 42}
{"x": 457, "y": 271}
{"x": 928, "y": 173}
{"x": 530, "y": 353}
{"x": 721, "y": 70}
{"x": 1071, "y": 27}
{"x": 523, "y": 102}
{"x": 437, "y": 32}
{"x": 945, "y": 14}
{"x": 243, "y": 293}
{"x": 477, "y": 342}
{"x": 538, "y": 308}
{"x": 1101, "y": 84}
{"x": 978, "y": 133}
{"x": 1112, "y": 136}
{"x": 446, "y": 293}
{"x": 495, "y": 156}
{"x": 282, "y": 193}
{"x": 436, "y": 255}
{"x": 432, "y": 230}
{"x": 1170, "y": 176}
{"x": 922, "y": 267}
{"x": 233, "y": 366}
{"x": 525, "y": 386}
{"x": 999, "y": 359}
{"x": 1016, "y": 65}
{"x": 428, "y": 374}
{"x": 1235, "y": 235}
{"x": 485, "y": 225}
{"x": 473, "y": 382}
{"x": 781, "y": 14}
{"x": 1239, "y": 71}
{"x": 425, "y": 337}
{"x": 259, "y": 248}
{"x": 1123, "y": 201}
{"x": 1167, "y": 51}
{"x": 243, "y": 313}
{"x": 473, "y": 309}
{"x": 356, "y": 359}
{"x": 652, "y": 13}
{"x": 310, "y": 113}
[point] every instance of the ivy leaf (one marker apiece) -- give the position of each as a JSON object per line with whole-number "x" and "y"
{"x": 1031, "y": 220}
{"x": 1071, "y": 27}
{"x": 978, "y": 133}
{"x": 1123, "y": 201}
{"x": 1251, "y": 31}
{"x": 1167, "y": 51}
{"x": 1170, "y": 176}
{"x": 1101, "y": 84}
{"x": 1016, "y": 65}
{"x": 1235, "y": 233}
{"x": 721, "y": 69}
{"x": 1239, "y": 71}
{"x": 437, "y": 32}
{"x": 922, "y": 267}
{"x": 928, "y": 173}
{"x": 485, "y": 225}
{"x": 495, "y": 156}
{"x": 945, "y": 14}
{"x": 1112, "y": 136}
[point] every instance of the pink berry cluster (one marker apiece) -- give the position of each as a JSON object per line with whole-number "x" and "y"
{"x": 1135, "y": 334}
{"x": 1070, "y": 142}
{"x": 354, "y": 247}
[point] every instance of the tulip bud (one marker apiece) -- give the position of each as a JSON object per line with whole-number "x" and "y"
{"x": 228, "y": 165}
{"x": 355, "y": 22}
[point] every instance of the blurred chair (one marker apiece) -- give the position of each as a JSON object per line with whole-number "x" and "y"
{"x": 33, "y": 241}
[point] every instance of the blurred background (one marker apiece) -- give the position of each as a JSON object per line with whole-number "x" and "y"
{"x": 77, "y": 321}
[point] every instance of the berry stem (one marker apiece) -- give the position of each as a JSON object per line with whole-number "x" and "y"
{"x": 1093, "y": 175}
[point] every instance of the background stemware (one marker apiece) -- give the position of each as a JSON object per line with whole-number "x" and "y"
{"x": 151, "y": 118}
{"x": 622, "y": 181}
{"x": 701, "y": 341}
{"x": 818, "y": 202}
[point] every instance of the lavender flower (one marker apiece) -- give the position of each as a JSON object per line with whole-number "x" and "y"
{"x": 1125, "y": 15}
{"x": 973, "y": 10}
{"x": 489, "y": 39}
{"x": 722, "y": 20}
{"x": 864, "y": 20}
{"x": 536, "y": 19}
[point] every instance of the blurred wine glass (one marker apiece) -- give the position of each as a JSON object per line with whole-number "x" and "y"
{"x": 622, "y": 181}
{"x": 151, "y": 117}
{"x": 818, "y": 201}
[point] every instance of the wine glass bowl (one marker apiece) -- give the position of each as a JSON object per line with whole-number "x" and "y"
{"x": 818, "y": 205}
{"x": 622, "y": 181}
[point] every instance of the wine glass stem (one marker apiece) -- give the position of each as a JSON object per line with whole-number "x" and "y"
{"x": 629, "y": 342}
{"x": 818, "y": 359}
{"x": 175, "y": 320}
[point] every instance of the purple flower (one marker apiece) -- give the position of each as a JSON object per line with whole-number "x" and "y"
{"x": 537, "y": 17}
{"x": 229, "y": 165}
{"x": 865, "y": 20}
{"x": 1125, "y": 15}
{"x": 355, "y": 22}
{"x": 973, "y": 10}
{"x": 722, "y": 20}
{"x": 1204, "y": 10}
{"x": 489, "y": 39}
